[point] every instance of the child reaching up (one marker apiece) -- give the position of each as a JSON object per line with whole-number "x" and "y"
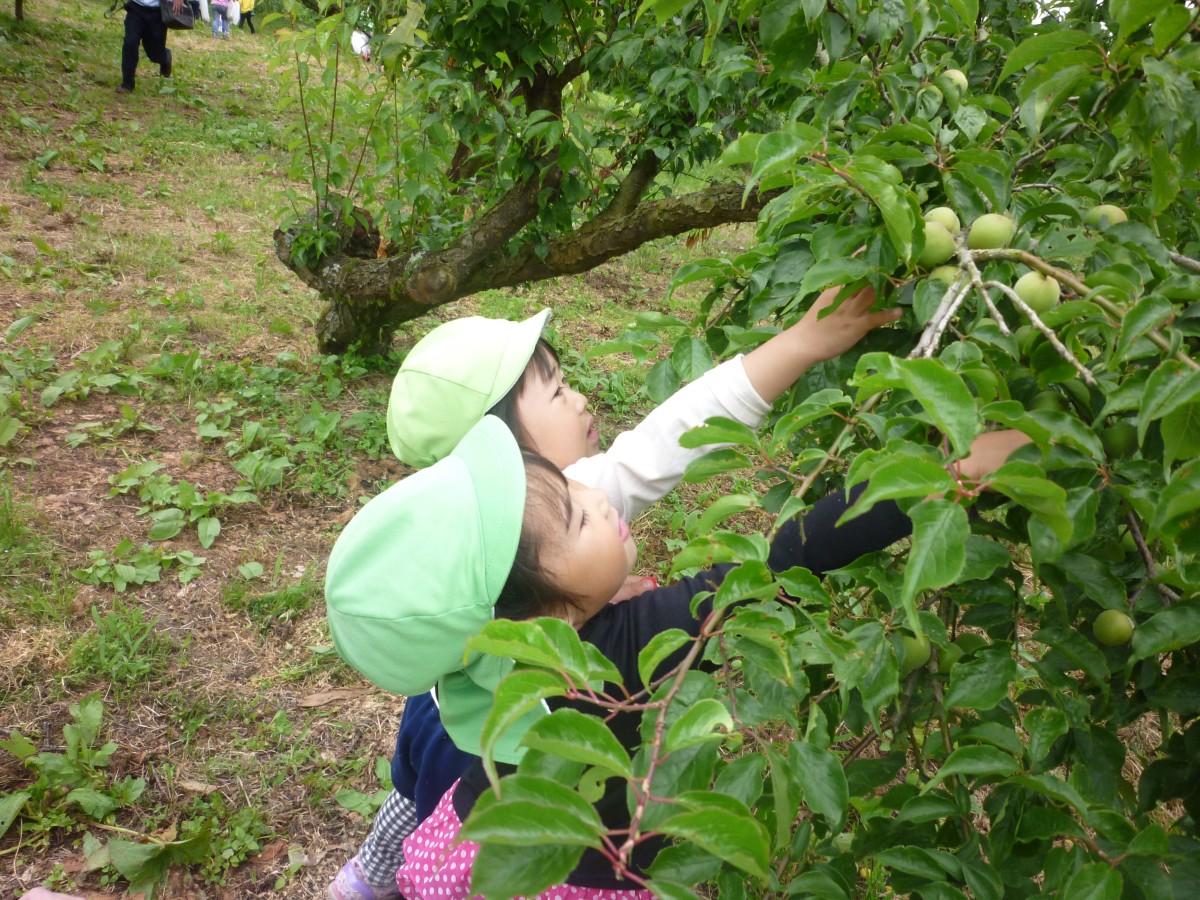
{"x": 469, "y": 367}
{"x": 490, "y": 533}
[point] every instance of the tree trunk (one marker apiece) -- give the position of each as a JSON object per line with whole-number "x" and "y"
{"x": 19, "y": 12}
{"x": 367, "y": 297}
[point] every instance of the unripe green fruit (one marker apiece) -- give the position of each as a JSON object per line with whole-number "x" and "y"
{"x": 944, "y": 216}
{"x": 945, "y": 274}
{"x": 955, "y": 77}
{"x": 1104, "y": 215}
{"x": 842, "y": 842}
{"x": 969, "y": 642}
{"x": 1119, "y": 439}
{"x": 913, "y": 652}
{"x": 1047, "y": 401}
{"x": 939, "y": 245}
{"x": 1039, "y": 291}
{"x": 1027, "y": 338}
{"x": 991, "y": 231}
{"x": 948, "y": 656}
{"x": 953, "y": 82}
{"x": 1113, "y": 628}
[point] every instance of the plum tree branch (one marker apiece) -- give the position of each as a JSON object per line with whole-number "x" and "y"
{"x": 1114, "y": 312}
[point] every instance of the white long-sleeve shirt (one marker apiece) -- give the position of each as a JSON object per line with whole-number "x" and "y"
{"x": 644, "y": 463}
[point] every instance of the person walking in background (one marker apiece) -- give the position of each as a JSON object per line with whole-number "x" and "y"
{"x": 247, "y": 15}
{"x": 144, "y": 26}
{"x": 220, "y": 18}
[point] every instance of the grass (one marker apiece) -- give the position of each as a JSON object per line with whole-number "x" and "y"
{"x": 148, "y": 321}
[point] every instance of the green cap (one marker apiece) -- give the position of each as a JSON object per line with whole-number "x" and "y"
{"x": 451, "y": 378}
{"x": 417, "y": 572}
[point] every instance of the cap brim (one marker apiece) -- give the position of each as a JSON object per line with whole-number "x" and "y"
{"x": 517, "y": 354}
{"x": 498, "y": 476}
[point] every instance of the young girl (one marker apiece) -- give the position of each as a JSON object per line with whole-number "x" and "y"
{"x": 220, "y": 18}
{"x": 487, "y": 533}
{"x": 468, "y": 367}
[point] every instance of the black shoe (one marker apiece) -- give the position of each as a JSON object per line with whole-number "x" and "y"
{"x": 123, "y": 89}
{"x": 165, "y": 68}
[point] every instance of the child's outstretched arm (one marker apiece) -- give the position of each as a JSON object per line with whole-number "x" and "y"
{"x": 776, "y": 365}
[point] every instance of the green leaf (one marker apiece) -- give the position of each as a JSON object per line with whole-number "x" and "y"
{"x": 15, "y": 330}
{"x": 718, "y": 430}
{"x": 720, "y": 547}
{"x": 943, "y": 394}
{"x": 898, "y": 477}
{"x": 721, "y": 509}
{"x": 499, "y": 873}
{"x": 1043, "y": 46}
{"x": 10, "y": 808}
{"x": 1025, "y": 483}
{"x": 1131, "y": 15}
{"x": 1094, "y": 881}
{"x": 516, "y": 696}
{"x": 981, "y": 682}
{"x": 1044, "y": 725}
{"x": 659, "y": 648}
{"x": 1171, "y": 386}
{"x": 691, "y": 358}
{"x": 1171, "y": 629}
{"x": 739, "y": 840}
{"x": 167, "y": 524}
{"x": 827, "y": 272}
{"x": 715, "y": 462}
{"x": 938, "y": 553}
{"x": 207, "y": 529}
{"x": 822, "y": 781}
{"x": 1147, "y": 313}
{"x": 514, "y": 822}
{"x": 987, "y": 761}
{"x": 1181, "y": 433}
{"x": 699, "y": 724}
{"x": 573, "y": 735}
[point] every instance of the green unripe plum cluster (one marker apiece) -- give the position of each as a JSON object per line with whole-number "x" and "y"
{"x": 1113, "y": 628}
{"x": 1040, "y": 292}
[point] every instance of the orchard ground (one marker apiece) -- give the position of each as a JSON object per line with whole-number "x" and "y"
{"x": 141, "y": 226}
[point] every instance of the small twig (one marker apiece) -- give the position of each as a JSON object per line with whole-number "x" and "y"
{"x": 1185, "y": 262}
{"x": 940, "y": 320}
{"x": 1084, "y": 372}
{"x": 967, "y": 260}
{"x": 1168, "y": 596}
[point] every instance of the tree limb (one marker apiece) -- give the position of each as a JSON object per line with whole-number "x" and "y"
{"x": 406, "y": 286}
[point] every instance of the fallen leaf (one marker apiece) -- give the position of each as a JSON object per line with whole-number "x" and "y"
{"x": 196, "y": 787}
{"x": 324, "y": 697}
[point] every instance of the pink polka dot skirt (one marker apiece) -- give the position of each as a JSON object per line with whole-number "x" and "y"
{"x": 436, "y": 868}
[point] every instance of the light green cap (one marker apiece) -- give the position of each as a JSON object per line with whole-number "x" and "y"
{"x": 416, "y": 574}
{"x": 451, "y": 378}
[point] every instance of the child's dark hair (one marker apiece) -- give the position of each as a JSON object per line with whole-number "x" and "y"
{"x": 545, "y": 362}
{"x": 529, "y": 592}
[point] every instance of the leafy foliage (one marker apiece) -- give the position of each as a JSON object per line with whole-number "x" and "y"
{"x": 1024, "y": 757}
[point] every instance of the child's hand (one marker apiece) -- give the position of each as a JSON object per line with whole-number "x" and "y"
{"x": 633, "y": 586}
{"x": 775, "y": 366}
{"x": 989, "y": 452}
{"x": 837, "y": 332}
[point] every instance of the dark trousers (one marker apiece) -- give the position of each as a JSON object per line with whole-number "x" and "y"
{"x": 247, "y": 19}
{"x": 143, "y": 25}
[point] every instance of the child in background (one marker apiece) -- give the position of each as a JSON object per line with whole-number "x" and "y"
{"x": 247, "y": 17}
{"x": 491, "y": 533}
{"x": 220, "y": 18}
